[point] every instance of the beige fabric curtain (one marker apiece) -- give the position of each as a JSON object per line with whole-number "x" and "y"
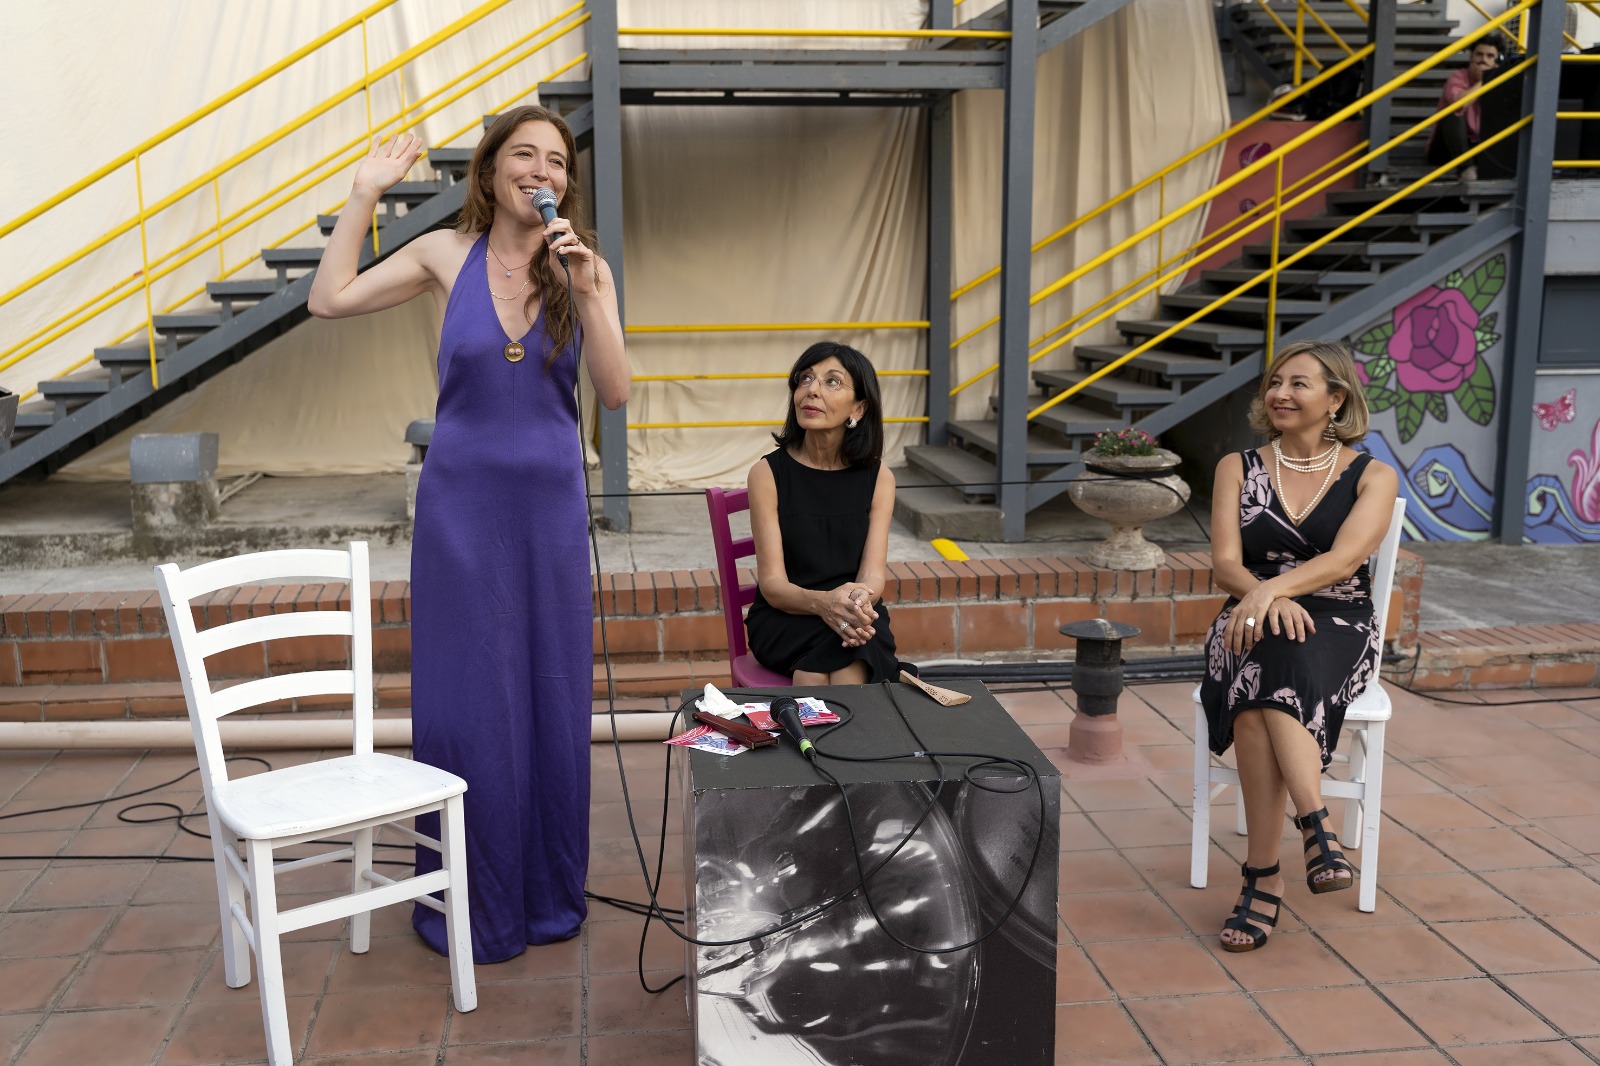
{"x": 733, "y": 214}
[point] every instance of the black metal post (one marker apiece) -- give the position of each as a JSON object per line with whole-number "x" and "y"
{"x": 1376, "y": 123}
{"x": 605, "y": 86}
{"x": 1016, "y": 260}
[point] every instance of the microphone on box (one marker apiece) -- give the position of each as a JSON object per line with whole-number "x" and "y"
{"x": 545, "y": 201}
{"x": 787, "y": 713}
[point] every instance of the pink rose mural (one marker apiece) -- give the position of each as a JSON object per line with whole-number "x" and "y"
{"x": 1431, "y": 348}
{"x": 1586, "y": 479}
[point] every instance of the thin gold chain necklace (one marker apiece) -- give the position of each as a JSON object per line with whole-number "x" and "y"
{"x": 514, "y": 295}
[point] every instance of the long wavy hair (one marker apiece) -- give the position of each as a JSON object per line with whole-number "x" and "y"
{"x": 477, "y": 215}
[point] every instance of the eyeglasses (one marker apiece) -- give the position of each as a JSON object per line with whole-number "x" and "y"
{"x": 833, "y": 382}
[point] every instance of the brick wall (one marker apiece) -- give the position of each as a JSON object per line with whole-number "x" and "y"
{"x": 107, "y": 654}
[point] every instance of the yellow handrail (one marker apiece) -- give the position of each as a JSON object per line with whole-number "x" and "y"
{"x": 1298, "y": 40}
{"x": 775, "y": 376}
{"x": 1329, "y": 30}
{"x": 1462, "y": 101}
{"x": 772, "y": 327}
{"x": 746, "y": 31}
{"x": 184, "y": 123}
{"x": 743, "y": 425}
{"x": 1182, "y": 161}
{"x": 1567, "y": 36}
{"x": 200, "y": 244}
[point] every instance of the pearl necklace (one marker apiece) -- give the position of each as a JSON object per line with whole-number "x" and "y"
{"x": 1328, "y": 460}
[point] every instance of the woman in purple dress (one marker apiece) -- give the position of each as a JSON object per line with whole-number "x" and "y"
{"x": 1292, "y": 525}
{"x": 502, "y": 653}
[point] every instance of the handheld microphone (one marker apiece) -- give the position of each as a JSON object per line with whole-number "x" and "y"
{"x": 545, "y": 201}
{"x": 787, "y": 713}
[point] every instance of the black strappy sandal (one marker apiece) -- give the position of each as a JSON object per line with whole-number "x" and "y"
{"x": 1243, "y": 913}
{"x": 1325, "y": 858}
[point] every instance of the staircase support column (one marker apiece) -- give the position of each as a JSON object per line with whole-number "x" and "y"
{"x": 941, "y": 228}
{"x": 1541, "y": 90}
{"x": 1382, "y": 25}
{"x": 606, "y": 161}
{"x": 1016, "y": 260}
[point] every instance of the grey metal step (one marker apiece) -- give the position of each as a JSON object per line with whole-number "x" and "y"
{"x": 325, "y": 223}
{"x": 1251, "y": 305}
{"x": 130, "y": 353}
{"x": 413, "y": 192}
{"x": 1377, "y": 251}
{"x": 1069, "y": 419}
{"x": 1215, "y": 335}
{"x": 970, "y": 475}
{"x": 1174, "y": 366}
{"x": 33, "y": 421}
{"x": 986, "y": 435}
{"x": 1358, "y": 200}
{"x": 1298, "y": 281}
{"x": 453, "y": 161}
{"x": 1117, "y": 391}
{"x": 291, "y": 257}
{"x": 1387, "y": 221}
{"x": 243, "y": 288}
{"x": 189, "y": 322}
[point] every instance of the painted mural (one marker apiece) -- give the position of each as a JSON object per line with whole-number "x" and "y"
{"x": 1433, "y": 369}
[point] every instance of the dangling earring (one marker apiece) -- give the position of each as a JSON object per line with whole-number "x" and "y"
{"x": 1329, "y": 432}
{"x": 851, "y": 423}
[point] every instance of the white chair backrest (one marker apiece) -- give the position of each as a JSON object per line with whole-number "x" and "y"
{"x": 1381, "y": 571}
{"x": 180, "y": 588}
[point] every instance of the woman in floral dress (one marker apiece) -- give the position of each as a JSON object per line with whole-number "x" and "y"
{"x": 1292, "y": 526}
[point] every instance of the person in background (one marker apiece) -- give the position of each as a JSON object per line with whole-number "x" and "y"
{"x": 1454, "y": 134}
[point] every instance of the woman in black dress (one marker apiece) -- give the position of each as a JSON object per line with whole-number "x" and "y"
{"x": 1292, "y": 525}
{"x": 819, "y": 511}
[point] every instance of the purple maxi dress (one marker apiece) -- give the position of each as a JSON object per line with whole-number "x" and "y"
{"x": 502, "y": 651}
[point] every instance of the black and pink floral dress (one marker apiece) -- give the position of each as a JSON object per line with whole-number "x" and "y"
{"x": 1316, "y": 680}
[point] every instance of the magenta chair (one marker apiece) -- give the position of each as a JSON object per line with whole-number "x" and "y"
{"x": 747, "y": 673}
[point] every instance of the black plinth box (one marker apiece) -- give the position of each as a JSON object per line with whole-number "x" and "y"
{"x": 766, "y": 840}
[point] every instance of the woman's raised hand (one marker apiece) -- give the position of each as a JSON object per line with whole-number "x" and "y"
{"x": 386, "y": 165}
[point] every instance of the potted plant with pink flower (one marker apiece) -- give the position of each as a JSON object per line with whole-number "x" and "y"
{"x": 1128, "y": 482}
{"x": 1432, "y": 347}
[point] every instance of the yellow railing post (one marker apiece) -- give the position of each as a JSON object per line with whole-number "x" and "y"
{"x": 144, "y": 255}
{"x": 1272, "y": 285}
{"x": 366, "y": 92}
{"x": 1299, "y": 40}
{"x": 1161, "y": 211}
{"x": 222, "y": 254}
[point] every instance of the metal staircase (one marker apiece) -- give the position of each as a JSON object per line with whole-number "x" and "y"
{"x": 1331, "y": 293}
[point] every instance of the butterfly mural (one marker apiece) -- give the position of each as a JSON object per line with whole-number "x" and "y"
{"x": 1562, "y": 409}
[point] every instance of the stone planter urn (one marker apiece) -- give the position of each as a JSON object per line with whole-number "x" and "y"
{"x": 1129, "y": 491}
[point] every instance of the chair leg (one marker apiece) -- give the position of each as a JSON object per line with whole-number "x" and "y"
{"x": 1354, "y": 810}
{"x": 1200, "y": 841}
{"x": 457, "y": 923}
{"x": 361, "y": 864}
{"x": 1372, "y": 804}
{"x": 269, "y": 957}
{"x": 230, "y": 891}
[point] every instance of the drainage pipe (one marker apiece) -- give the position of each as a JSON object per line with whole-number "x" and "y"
{"x": 280, "y": 733}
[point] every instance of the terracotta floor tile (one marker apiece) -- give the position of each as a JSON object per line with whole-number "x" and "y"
{"x": 628, "y": 886}
{"x": 305, "y": 971}
{"x": 613, "y": 947}
{"x": 36, "y": 815}
{"x": 77, "y": 885}
{"x": 1168, "y": 864}
{"x": 1582, "y": 929}
{"x": 1472, "y": 1011}
{"x": 16, "y": 847}
{"x": 400, "y": 1058}
{"x": 564, "y": 959}
{"x": 1489, "y": 768}
{"x": 1494, "y": 849}
{"x": 1407, "y": 953}
{"x": 178, "y": 882}
{"x": 1581, "y": 831}
{"x": 143, "y": 979}
{"x": 1076, "y": 979}
{"x": 1096, "y": 1033}
{"x": 1449, "y": 897}
{"x": 1204, "y": 910}
{"x": 1386, "y": 1058}
{"x": 1117, "y": 795}
{"x": 36, "y": 934}
{"x": 1143, "y": 829}
{"x": 1094, "y": 917}
{"x": 1591, "y": 1046}
{"x": 14, "y": 1030}
{"x": 391, "y": 962}
{"x": 72, "y": 777}
{"x": 1513, "y": 945}
{"x": 230, "y": 1031}
{"x": 163, "y": 926}
{"x": 541, "y": 1053}
{"x": 618, "y": 1004}
{"x": 521, "y": 1010}
{"x": 1544, "y": 1053}
{"x": 1341, "y": 910}
{"x": 1404, "y": 852}
{"x": 1097, "y": 871}
{"x": 1566, "y": 999}
{"x": 13, "y": 883}
{"x": 1549, "y": 891}
{"x": 389, "y": 1020}
{"x": 1225, "y": 1028}
{"x": 1139, "y": 969}
{"x": 674, "y": 1048}
{"x": 1429, "y": 813}
{"x": 1078, "y": 833}
{"x": 1548, "y": 799}
{"x": 1319, "y": 1020}
{"x": 103, "y": 1037}
{"x": 30, "y": 984}
{"x": 1289, "y": 960}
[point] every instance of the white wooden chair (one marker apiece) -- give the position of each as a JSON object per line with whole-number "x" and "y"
{"x": 1364, "y": 722}
{"x": 252, "y": 817}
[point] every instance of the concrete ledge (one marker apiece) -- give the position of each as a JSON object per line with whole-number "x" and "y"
{"x": 1537, "y": 656}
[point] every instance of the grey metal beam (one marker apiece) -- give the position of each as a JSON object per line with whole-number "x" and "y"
{"x": 941, "y": 14}
{"x": 1076, "y": 21}
{"x": 635, "y": 58}
{"x": 606, "y": 160}
{"x": 941, "y": 230}
{"x": 1380, "y": 70}
{"x": 794, "y": 77}
{"x": 1535, "y": 163}
{"x": 1016, "y": 260}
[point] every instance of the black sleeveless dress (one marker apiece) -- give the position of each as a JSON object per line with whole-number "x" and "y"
{"x": 824, "y": 515}
{"x": 1315, "y": 680}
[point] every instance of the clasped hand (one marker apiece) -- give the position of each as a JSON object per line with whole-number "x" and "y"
{"x": 1260, "y": 610}
{"x": 848, "y": 611}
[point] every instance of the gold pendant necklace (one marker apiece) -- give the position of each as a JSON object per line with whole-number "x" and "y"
{"x": 514, "y": 295}
{"x": 515, "y": 352}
